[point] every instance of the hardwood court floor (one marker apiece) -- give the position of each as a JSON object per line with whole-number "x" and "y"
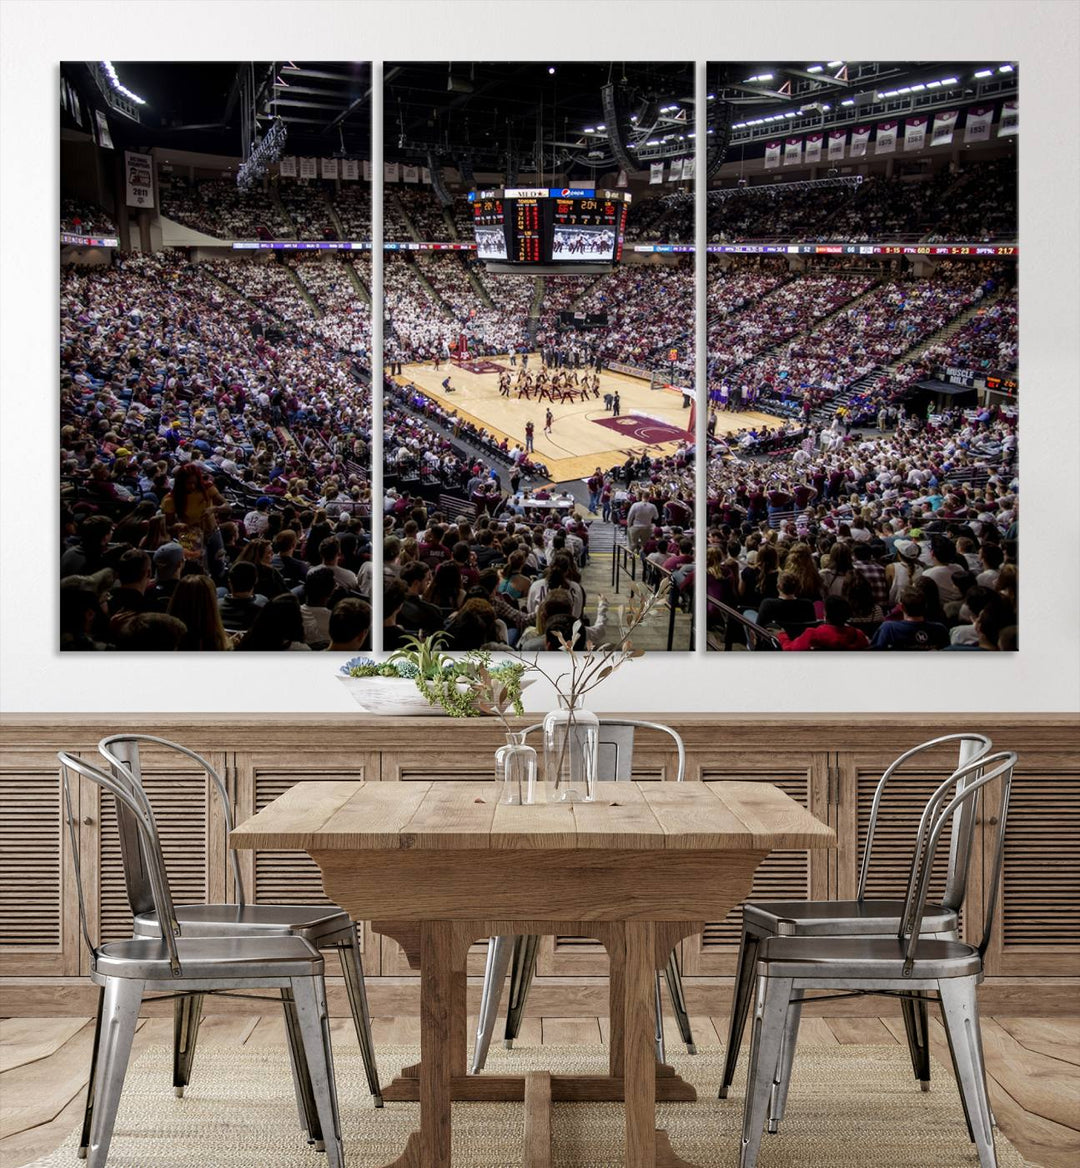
{"x": 1033, "y": 1063}
{"x": 577, "y": 444}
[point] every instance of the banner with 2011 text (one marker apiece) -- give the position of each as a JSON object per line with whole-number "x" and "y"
{"x": 139, "y": 179}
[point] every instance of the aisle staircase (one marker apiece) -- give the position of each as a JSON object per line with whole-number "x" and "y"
{"x": 335, "y": 218}
{"x": 362, "y": 290}
{"x": 477, "y": 284}
{"x": 304, "y": 291}
{"x": 430, "y": 289}
{"x": 400, "y": 208}
{"x": 451, "y": 226}
{"x": 946, "y": 331}
{"x": 536, "y": 306}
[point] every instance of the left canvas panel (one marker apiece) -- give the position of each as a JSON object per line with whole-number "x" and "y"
{"x": 215, "y": 355}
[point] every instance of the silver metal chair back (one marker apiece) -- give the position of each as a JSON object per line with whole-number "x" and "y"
{"x": 615, "y": 749}
{"x": 968, "y": 782}
{"x": 121, "y": 751}
{"x": 972, "y": 747}
{"x": 140, "y": 815}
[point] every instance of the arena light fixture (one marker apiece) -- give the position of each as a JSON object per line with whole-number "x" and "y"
{"x": 1005, "y": 68}
{"x": 123, "y": 90}
{"x": 833, "y": 64}
{"x": 848, "y": 101}
{"x": 985, "y": 73}
{"x": 815, "y": 68}
{"x": 758, "y": 77}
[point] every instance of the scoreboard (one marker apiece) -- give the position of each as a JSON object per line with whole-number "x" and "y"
{"x": 540, "y": 225}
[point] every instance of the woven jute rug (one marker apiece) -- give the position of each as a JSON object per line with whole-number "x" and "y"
{"x": 849, "y": 1107}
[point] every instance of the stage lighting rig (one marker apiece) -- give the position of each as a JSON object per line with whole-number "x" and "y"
{"x": 265, "y": 152}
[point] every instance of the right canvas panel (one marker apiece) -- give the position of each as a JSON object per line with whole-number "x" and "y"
{"x": 863, "y": 373}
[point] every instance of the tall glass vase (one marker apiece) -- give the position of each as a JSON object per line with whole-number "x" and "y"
{"x": 571, "y": 738}
{"x": 515, "y": 770}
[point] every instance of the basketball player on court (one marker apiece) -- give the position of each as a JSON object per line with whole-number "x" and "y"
{"x": 547, "y": 423}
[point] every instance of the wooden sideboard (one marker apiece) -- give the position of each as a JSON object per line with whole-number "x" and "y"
{"x": 830, "y": 763}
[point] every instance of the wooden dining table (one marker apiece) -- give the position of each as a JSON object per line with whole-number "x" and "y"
{"x": 440, "y": 865}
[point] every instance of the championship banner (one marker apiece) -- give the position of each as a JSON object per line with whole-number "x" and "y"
{"x": 977, "y": 126}
{"x": 287, "y": 167}
{"x": 309, "y": 168}
{"x": 410, "y": 174}
{"x": 425, "y": 175}
{"x": 793, "y": 152}
{"x": 915, "y": 133}
{"x": 367, "y": 170}
{"x": 688, "y": 168}
{"x": 860, "y": 136}
{"x": 675, "y": 174}
{"x": 656, "y": 173}
{"x": 837, "y": 141}
{"x": 104, "y": 137}
{"x": 944, "y": 124}
{"x": 885, "y": 139}
{"x": 813, "y": 147}
{"x": 772, "y": 155}
{"x": 622, "y": 180}
{"x": 139, "y": 175}
{"x": 1009, "y": 123}
{"x": 350, "y": 169}
{"x": 329, "y": 167}
{"x": 391, "y": 172}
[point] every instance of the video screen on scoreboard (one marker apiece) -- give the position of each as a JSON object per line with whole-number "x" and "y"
{"x": 490, "y": 243}
{"x": 572, "y": 243}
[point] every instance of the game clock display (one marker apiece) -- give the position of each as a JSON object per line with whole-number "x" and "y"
{"x": 538, "y": 226}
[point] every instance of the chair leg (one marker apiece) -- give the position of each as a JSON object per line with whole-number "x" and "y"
{"x": 88, "y": 1109}
{"x": 673, "y": 975}
{"x": 522, "y": 968}
{"x": 305, "y": 1098}
{"x": 353, "y": 969}
{"x": 779, "y": 1093}
{"x": 960, "y": 1008}
{"x": 187, "y": 1014}
{"x": 500, "y": 950}
{"x": 309, "y": 994}
{"x": 119, "y": 1017}
{"x": 770, "y": 1017}
{"x": 658, "y": 1010}
{"x": 918, "y": 1036}
{"x": 740, "y": 1008}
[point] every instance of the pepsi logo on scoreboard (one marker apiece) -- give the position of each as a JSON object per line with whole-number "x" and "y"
{"x": 572, "y": 192}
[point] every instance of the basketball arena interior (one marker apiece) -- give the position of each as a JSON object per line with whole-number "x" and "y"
{"x": 241, "y": 466}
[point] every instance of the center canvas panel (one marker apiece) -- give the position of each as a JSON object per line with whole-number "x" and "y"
{"x": 539, "y": 343}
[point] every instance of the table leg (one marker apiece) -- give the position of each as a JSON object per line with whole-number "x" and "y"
{"x": 639, "y": 1052}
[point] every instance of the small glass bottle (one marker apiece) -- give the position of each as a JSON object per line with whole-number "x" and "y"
{"x": 571, "y": 739}
{"x": 515, "y": 770}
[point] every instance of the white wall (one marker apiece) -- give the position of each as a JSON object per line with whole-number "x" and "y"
{"x": 1044, "y": 675}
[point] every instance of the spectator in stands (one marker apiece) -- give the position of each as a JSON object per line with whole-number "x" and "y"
{"x": 279, "y": 627}
{"x": 835, "y": 634}
{"x": 913, "y": 631}
{"x": 194, "y": 601}
{"x": 240, "y": 604}
{"x": 350, "y": 625}
{"x": 787, "y": 609}
{"x": 319, "y": 587}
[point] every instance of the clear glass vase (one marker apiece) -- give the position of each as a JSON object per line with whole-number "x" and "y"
{"x": 571, "y": 738}
{"x": 515, "y": 770}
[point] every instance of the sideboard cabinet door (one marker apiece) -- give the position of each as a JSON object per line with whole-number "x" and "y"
{"x": 39, "y": 915}
{"x": 795, "y": 875}
{"x": 291, "y": 877}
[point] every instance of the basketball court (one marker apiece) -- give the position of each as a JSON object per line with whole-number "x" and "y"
{"x": 583, "y": 435}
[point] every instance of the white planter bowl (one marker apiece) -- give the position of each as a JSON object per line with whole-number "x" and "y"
{"x": 395, "y": 696}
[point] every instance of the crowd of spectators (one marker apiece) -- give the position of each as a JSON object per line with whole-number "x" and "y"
{"x": 183, "y": 424}
{"x": 307, "y": 206}
{"x": 345, "y": 320}
{"x": 218, "y": 207}
{"x": 83, "y": 218}
{"x": 914, "y": 532}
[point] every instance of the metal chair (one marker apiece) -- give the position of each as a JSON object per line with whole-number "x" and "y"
{"x": 860, "y": 917}
{"x": 323, "y": 926}
{"x": 170, "y": 964}
{"x": 518, "y": 954}
{"x": 906, "y": 964}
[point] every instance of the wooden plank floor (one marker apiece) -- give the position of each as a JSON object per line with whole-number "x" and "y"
{"x": 1034, "y": 1067}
